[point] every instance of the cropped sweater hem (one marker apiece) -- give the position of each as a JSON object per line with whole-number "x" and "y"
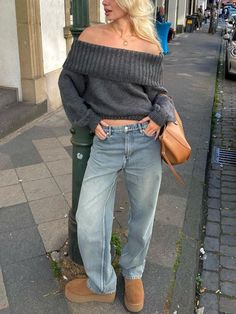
{"x": 97, "y": 80}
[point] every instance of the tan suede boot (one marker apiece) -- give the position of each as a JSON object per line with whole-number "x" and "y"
{"x": 134, "y": 295}
{"x": 77, "y": 291}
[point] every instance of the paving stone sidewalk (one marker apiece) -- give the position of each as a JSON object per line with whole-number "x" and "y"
{"x": 35, "y": 196}
{"x": 219, "y": 267}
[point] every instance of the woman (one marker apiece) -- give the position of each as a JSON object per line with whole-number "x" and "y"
{"x": 160, "y": 16}
{"x": 112, "y": 83}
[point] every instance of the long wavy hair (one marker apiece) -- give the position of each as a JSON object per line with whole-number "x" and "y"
{"x": 141, "y": 14}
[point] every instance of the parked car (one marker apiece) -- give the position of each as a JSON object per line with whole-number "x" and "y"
{"x": 230, "y": 56}
{"x": 229, "y": 25}
{"x": 233, "y": 16}
{"x": 230, "y": 7}
{"x": 228, "y": 11}
{"x": 232, "y": 12}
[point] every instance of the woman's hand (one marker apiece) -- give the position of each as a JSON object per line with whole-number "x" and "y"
{"x": 100, "y": 132}
{"x": 152, "y": 128}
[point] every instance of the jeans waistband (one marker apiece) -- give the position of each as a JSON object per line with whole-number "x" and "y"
{"x": 125, "y": 128}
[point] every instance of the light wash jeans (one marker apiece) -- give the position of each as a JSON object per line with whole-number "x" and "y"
{"x": 127, "y": 148}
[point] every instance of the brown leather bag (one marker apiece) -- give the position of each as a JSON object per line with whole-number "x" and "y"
{"x": 175, "y": 149}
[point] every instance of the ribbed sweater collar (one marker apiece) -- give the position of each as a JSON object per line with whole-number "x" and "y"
{"x": 115, "y": 64}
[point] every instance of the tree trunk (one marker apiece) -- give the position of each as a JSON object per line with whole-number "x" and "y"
{"x": 211, "y": 30}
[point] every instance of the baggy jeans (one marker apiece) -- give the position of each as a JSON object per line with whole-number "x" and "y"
{"x": 129, "y": 149}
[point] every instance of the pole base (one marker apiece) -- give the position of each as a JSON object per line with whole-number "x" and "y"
{"x": 73, "y": 249}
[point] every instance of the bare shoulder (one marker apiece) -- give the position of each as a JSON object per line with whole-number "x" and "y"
{"x": 151, "y": 48}
{"x": 92, "y": 34}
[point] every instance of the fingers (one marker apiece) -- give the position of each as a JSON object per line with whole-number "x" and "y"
{"x": 146, "y": 119}
{"x": 100, "y": 133}
{"x": 103, "y": 123}
{"x": 157, "y": 135}
{"x": 149, "y": 132}
{"x": 152, "y": 129}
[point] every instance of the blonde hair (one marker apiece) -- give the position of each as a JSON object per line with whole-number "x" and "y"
{"x": 141, "y": 14}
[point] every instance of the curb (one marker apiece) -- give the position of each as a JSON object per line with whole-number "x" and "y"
{"x": 182, "y": 291}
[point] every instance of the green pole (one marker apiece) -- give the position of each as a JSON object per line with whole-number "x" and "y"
{"x": 80, "y": 13}
{"x": 81, "y": 140}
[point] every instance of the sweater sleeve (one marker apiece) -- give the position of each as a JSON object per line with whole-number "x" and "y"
{"x": 163, "y": 108}
{"x": 72, "y": 86}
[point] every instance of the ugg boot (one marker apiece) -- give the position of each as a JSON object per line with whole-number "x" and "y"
{"x": 77, "y": 291}
{"x": 134, "y": 295}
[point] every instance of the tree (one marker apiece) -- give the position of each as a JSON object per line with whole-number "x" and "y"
{"x": 213, "y": 17}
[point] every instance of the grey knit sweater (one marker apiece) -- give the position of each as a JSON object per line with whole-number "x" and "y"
{"x": 99, "y": 82}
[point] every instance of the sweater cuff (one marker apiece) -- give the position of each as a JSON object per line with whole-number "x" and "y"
{"x": 163, "y": 110}
{"x": 94, "y": 120}
{"x": 158, "y": 115}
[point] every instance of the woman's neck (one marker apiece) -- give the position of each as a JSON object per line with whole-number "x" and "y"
{"x": 122, "y": 27}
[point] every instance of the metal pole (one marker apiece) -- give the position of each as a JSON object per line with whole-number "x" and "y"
{"x": 80, "y": 12}
{"x": 155, "y": 9}
{"x": 81, "y": 141}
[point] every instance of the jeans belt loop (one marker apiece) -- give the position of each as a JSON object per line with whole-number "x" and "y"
{"x": 141, "y": 127}
{"x": 109, "y": 130}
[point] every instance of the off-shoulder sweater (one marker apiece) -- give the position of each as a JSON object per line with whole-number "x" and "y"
{"x": 99, "y": 82}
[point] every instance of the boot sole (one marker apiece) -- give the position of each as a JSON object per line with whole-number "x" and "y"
{"x": 107, "y": 298}
{"x": 133, "y": 307}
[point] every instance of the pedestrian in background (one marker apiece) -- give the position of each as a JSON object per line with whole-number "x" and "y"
{"x": 199, "y": 18}
{"x": 226, "y": 13}
{"x": 111, "y": 82}
{"x": 160, "y": 17}
{"x": 206, "y": 15}
{"x": 222, "y": 14}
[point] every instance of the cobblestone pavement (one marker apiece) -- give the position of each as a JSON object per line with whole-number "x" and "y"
{"x": 219, "y": 266}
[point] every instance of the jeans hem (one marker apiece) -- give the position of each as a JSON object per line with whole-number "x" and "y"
{"x": 131, "y": 277}
{"x": 96, "y": 291}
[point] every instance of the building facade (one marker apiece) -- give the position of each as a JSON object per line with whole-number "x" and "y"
{"x": 32, "y": 48}
{"x": 177, "y": 10}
